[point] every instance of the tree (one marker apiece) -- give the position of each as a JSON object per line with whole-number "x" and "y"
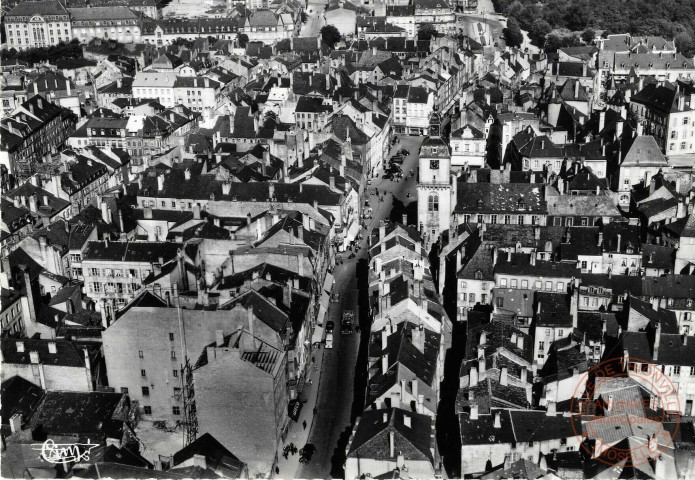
{"x": 426, "y": 31}
{"x": 304, "y": 17}
{"x": 512, "y": 34}
{"x": 330, "y": 35}
{"x": 684, "y": 43}
{"x": 243, "y": 40}
{"x": 552, "y": 43}
{"x": 539, "y": 30}
{"x": 588, "y": 36}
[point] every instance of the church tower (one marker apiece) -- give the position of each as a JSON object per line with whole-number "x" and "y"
{"x": 434, "y": 188}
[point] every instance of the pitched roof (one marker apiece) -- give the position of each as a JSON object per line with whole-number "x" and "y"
{"x": 371, "y": 438}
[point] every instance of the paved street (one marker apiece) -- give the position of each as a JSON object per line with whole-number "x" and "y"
{"x": 336, "y": 385}
{"x": 315, "y": 19}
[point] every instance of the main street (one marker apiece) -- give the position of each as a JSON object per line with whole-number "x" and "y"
{"x": 336, "y": 388}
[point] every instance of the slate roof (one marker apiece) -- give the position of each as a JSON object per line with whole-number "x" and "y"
{"x": 131, "y": 251}
{"x": 554, "y": 310}
{"x": 216, "y": 455}
{"x": 18, "y": 396}
{"x": 371, "y": 438}
{"x": 505, "y": 198}
{"x": 101, "y": 13}
{"x": 644, "y": 152}
{"x": 44, "y": 8}
{"x": 67, "y": 355}
{"x": 520, "y": 265}
{"x": 498, "y": 336}
{"x": 263, "y": 309}
{"x": 82, "y": 413}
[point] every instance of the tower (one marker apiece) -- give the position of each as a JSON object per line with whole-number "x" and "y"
{"x": 434, "y": 188}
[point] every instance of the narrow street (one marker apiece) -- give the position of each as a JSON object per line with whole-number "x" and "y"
{"x": 328, "y": 431}
{"x": 315, "y": 21}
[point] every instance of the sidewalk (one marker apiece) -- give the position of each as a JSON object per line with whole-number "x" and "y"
{"x": 296, "y": 433}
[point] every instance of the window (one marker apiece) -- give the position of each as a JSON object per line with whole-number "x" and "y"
{"x": 433, "y": 203}
{"x": 560, "y": 286}
{"x": 514, "y": 283}
{"x": 500, "y": 302}
{"x": 493, "y": 219}
{"x": 175, "y": 373}
{"x": 145, "y": 391}
{"x": 143, "y": 373}
{"x": 538, "y": 285}
{"x": 548, "y": 286}
{"x": 674, "y": 134}
{"x": 434, "y": 164}
{"x": 503, "y": 282}
{"x": 171, "y": 336}
{"x": 471, "y": 298}
{"x": 148, "y": 410}
{"x": 124, "y": 390}
{"x": 507, "y": 219}
{"x": 141, "y": 354}
{"x": 520, "y": 219}
{"x": 677, "y": 370}
{"x": 524, "y": 284}
{"x": 559, "y": 332}
{"x": 685, "y": 120}
{"x": 541, "y": 346}
{"x": 176, "y": 410}
{"x": 173, "y": 355}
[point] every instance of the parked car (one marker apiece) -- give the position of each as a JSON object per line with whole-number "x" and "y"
{"x": 330, "y": 325}
{"x": 404, "y": 152}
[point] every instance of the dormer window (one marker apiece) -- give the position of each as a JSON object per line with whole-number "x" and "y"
{"x": 478, "y": 275}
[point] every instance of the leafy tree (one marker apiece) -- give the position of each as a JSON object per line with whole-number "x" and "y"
{"x": 303, "y": 17}
{"x": 243, "y": 40}
{"x": 182, "y": 42}
{"x": 330, "y": 35}
{"x": 684, "y": 43}
{"x": 552, "y": 43}
{"x": 588, "y": 36}
{"x": 539, "y": 30}
{"x": 512, "y": 34}
{"x": 426, "y": 31}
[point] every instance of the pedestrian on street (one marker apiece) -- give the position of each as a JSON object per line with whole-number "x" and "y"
{"x": 313, "y": 359}
{"x": 304, "y": 423}
{"x": 315, "y": 411}
{"x": 277, "y": 470}
{"x": 284, "y": 454}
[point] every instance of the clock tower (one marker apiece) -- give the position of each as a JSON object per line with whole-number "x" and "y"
{"x": 435, "y": 188}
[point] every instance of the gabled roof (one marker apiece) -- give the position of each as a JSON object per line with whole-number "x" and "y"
{"x": 371, "y": 438}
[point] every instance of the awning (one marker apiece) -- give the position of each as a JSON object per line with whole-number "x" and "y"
{"x": 328, "y": 282}
{"x": 317, "y": 336}
{"x": 325, "y": 300}
{"x": 293, "y": 409}
{"x": 353, "y": 231}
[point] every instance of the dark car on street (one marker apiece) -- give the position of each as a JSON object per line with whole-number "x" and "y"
{"x": 330, "y": 325}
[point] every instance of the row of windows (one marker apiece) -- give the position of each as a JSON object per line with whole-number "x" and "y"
{"x": 684, "y": 146}
{"x": 141, "y": 354}
{"x": 507, "y": 219}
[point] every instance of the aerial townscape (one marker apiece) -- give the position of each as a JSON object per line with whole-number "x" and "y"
{"x": 352, "y": 239}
